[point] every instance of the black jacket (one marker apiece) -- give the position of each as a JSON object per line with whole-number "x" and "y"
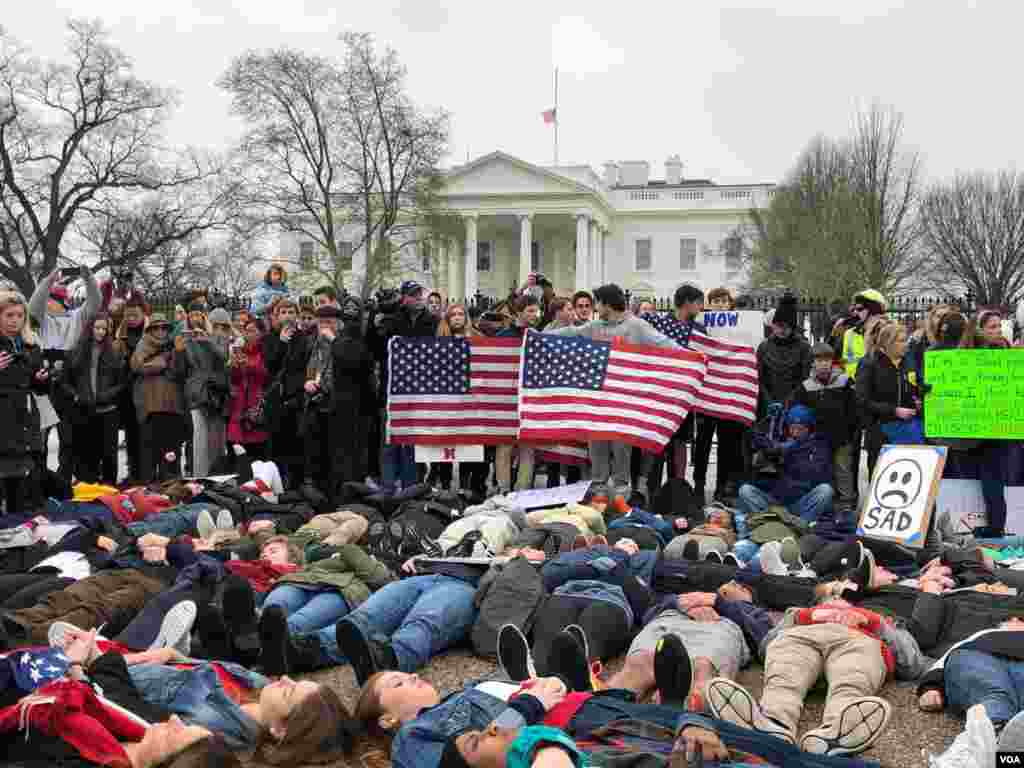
{"x": 288, "y": 360}
{"x": 834, "y": 405}
{"x": 205, "y": 362}
{"x": 881, "y": 389}
{"x": 782, "y": 364}
{"x": 18, "y": 413}
{"x": 111, "y": 378}
{"x": 382, "y": 328}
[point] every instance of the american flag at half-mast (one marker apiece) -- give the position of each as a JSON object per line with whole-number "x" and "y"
{"x": 453, "y": 391}
{"x": 731, "y": 382}
{"x": 574, "y": 388}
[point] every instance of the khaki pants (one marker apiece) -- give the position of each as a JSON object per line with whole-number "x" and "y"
{"x": 88, "y": 603}
{"x": 852, "y": 663}
{"x": 503, "y": 467}
{"x": 338, "y": 528}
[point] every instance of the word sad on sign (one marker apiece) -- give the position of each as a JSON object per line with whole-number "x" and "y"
{"x": 902, "y": 496}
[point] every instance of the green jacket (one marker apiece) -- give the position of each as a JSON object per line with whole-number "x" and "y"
{"x": 349, "y": 570}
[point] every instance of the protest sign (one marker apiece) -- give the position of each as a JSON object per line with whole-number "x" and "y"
{"x": 902, "y": 494}
{"x": 432, "y": 454}
{"x": 964, "y": 502}
{"x": 740, "y": 326}
{"x": 536, "y": 498}
{"x": 975, "y": 393}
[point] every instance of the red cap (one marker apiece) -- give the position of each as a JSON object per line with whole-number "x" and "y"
{"x": 59, "y": 292}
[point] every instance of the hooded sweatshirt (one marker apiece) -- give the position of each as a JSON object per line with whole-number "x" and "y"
{"x": 61, "y": 331}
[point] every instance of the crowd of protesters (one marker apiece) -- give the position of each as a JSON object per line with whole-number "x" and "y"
{"x": 263, "y": 529}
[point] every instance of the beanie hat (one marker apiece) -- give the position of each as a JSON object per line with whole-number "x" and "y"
{"x": 785, "y": 313}
{"x": 451, "y": 757}
{"x": 821, "y": 349}
{"x": 800, "y": 414}
{"x": 59, "y": 293}
{"x": 873, "y": 300}
{"x": 220, "y": 315}
{"x": 410, "y": 288}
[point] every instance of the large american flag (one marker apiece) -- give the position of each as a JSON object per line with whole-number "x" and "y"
{"x": 453, "y": 391}
{"x": 731, "y": 383}
{"x": 599, "y": 390}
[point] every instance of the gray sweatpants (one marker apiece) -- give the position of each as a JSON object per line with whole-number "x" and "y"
{"x": 209, "y": 436}
{"x": 720, "y": 641}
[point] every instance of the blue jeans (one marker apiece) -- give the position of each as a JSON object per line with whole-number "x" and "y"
{"x": 173, "y": 522}
{"x": 399, "y": 465}
{"x": 308, "y": 609}
{"x": 995, "y": 682}
{"x": 420, "y": 616}
{"x": 817, "y": 501}
{"x": 746, "y": 550}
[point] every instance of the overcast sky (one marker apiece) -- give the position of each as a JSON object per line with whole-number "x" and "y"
{"x": 735, "y": 88}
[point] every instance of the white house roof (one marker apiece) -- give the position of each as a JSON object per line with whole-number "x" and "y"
{"x": 499, "y": 173}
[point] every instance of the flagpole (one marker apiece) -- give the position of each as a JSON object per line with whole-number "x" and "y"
{"x": 556, "y": 116}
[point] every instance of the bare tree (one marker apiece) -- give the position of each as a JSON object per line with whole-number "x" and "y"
{"x": 75, "y": 138}
{"x": 393, "y": 155}
{"x": 973, "y": 232}
{"x": 231, "y": 269}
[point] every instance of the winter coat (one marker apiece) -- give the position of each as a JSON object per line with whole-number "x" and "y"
{"x": 403, "y": 323}
{"x": 19, "y": 416}
{"x": 111, "y": 380}
{"x": 806, "y": 463}
{"x": 161, "y": 375}
{"x": 264, "y": 296}
{"x": 834, "y": 404}
{"x": 881, "y": 389}
{"x": 248, "y": 383}
{"x": 782, "y": 364}
{"x": 287, "y": 360}
{"x": 349, "y": 571}
{"x": 207, "y": 383}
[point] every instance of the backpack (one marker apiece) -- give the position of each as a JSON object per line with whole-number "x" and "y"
{"x": 414, "y": 530}
{"x": 552, "y": 538}
{"x": 509, "y": 593}
{"x": 676, "y": 498}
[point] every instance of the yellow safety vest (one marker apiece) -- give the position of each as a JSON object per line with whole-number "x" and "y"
{"x": 853, "y": 351}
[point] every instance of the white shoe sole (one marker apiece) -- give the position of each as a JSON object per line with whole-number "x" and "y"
{"x": 176, "y": 626}
{"x": 860, "y": 724}
{"x": 511, "y": 647}
{"x": 732, "y": 702}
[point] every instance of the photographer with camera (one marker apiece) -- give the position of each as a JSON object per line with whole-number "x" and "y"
{"x": 398, "y": 314}
{"x": 338, "y": 391}
{"x": 801, "y": 480}
{"x": 60, "y": 329}
{"x": 159, "y": 364}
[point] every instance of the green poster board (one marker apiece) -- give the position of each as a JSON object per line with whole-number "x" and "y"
{"x": 975, "y": 393}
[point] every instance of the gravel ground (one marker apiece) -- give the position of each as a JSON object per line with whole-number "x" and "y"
{"x": 900, "y": 746}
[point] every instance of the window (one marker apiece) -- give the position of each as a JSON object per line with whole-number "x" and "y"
{"x": 733, "y": 247}
{"x": 425, "y": 257}
{"x": 483, "y": 257}
{"x": 306, "y": 255}
{"x": 344, "y": 255}
{"x": 535, "y": 257}
{"x": 644, "y": 261}
{"x": 687, "y": 254}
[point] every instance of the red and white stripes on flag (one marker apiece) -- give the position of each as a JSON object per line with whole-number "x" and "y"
{"x": 474, "y": 404}
{"x": 592, "y": 390}
{"x": 731, "y": 382}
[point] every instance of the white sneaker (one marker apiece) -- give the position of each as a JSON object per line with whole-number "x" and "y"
{"x": 205, "y": 525}
{"x": 975, "y": 747}
{"x": 224, "y": 521}
{"x": 770, "y": 556}
{"x": 176, "y": 628}
{"x": 59, "y": 630}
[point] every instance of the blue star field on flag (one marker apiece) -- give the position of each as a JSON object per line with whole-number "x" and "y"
{"x": 565, "y": 361}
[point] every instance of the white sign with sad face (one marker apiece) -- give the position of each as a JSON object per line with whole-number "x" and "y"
{"x": 903, "y": 489}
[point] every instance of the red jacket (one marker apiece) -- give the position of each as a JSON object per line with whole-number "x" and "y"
{"x": 822, "y": 614}
{"x": 136, "y": 504}
{"x": 259, "y": 573}
{"x": 248, "y": 383}
{"x": 72, "y": 712}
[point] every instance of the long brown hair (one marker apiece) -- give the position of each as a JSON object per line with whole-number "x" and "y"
{"x": 208, "y": 752}
{"x": 444, "y": 328}
{"x": 318, "y": 730}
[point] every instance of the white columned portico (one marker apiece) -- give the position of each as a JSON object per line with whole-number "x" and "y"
{"x": 582, "y": 251}
{"x": 469, "y": 287}
{"x": 593, "y": 265}
{"x": 600, "y": 256}
{"x": 525, "y": 246}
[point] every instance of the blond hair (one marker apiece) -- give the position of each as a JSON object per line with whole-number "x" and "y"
{"x": 13, "y": 298}
{"x": 888, "y": 333}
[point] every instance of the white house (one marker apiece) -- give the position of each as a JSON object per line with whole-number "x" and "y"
{"x": 580, "y": 229}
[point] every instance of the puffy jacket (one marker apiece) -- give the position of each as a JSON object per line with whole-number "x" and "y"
{"x": 834, "y": 404}
{"x": 264, "y": 296}
{"x": 111, "y": 379}
{"x": 805, "y": 464}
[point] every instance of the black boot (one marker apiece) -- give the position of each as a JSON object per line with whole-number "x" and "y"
{"x": 214, "y": 635}
{"x": 367, "y": 655}
{"x": 275, "y": 647}
{"x": 307, "y": 655}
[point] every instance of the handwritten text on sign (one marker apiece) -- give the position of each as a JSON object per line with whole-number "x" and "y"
{"x": 975, "y": 393}
{"x": 740, "y": 326}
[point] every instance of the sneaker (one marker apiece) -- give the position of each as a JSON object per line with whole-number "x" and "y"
{"x": 176, "y": 628}
{"x": 367, "y": 655}
{"x": 714, "y": 556}
{"x": 581, "y": 637}
{"x": 59, "y": 630}
{"x": 214, "y": 635}
{"x": 673, "y": 671}
{"x": 205, "y": 525}
{"x": 274, "y": 636}
{"x": 975, "y": 747}
{"x": 514, "y": 655}
{"x": 770, "y": 556}
{"x": 730, "y": 701}
{"x": 691, "y": 550}
{"x": 729, "y": 558}
{"x": 224, "y": 521}
{"x": 860, "y": 723}
{"x": 566, "y": 659}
